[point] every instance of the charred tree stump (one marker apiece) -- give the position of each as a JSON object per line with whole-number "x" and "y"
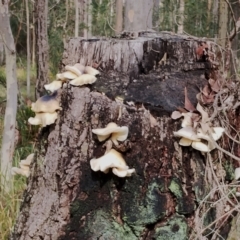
{"x": 65, "y": 199}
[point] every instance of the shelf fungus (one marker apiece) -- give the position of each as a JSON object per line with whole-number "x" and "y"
{"x": 237, "y": 173}
{"x": 46, "y": 104}
{"x": 24, "y": 166}
{"x": 199, "y": 140}
{"x": 43, "y": 119}
{"x": 112, "y": 129}
{"x": 83, "y": 79}
{"x": 114, "y": 160}
{"x": 53, "y": 86}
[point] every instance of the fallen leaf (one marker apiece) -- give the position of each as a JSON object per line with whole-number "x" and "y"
{"x": 204, "y": 114}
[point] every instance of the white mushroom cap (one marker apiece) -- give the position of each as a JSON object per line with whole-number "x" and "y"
{"x": 28, "y": 160}
{"x": 187, "y": 120}
{"x": 187, "y": 132}
{"x": 46, "y": 104}
{"x": 123, "y": 173}
{"x": 200, "y": 146}
{"x": 66, "y": 75}
{"x": 237, "y": 173}
{"x": 185, "y": 142}
{"x": 24, "y": 172}
{"x": 112, "y": 159}
{"x": 53, "y": 86}
{"x": 118, "y": 133}
{"x": 43, "y": 119}
{"x": 77, "y": 69}
{"x": 218, "y": 131}
{"x": 91, "y": 71}
{"x": 83, "y": 79}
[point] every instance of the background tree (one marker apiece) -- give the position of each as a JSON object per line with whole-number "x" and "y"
{"x": 42, "y": 47}
{"x": 7, "y": 148}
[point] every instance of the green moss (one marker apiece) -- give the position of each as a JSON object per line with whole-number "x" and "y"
{"x": 228, "y": 167}
{"x": 101, "y": 225}
{"x": 175, "y": 188}
{"x": 145, "y": 210}
{"x": 175, "y": 229}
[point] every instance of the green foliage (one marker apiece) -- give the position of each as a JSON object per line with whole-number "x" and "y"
{"x": 27, "y": 132}
{"x": 101, "y": 18}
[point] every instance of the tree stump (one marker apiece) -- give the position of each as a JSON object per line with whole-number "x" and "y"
{"x": 65, "y": 199}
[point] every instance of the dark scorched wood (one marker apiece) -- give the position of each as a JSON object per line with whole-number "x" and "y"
{"x": 64, "y": 199}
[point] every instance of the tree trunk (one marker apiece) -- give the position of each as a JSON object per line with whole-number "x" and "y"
{"x": 41, "y": 11}
{"x": 223, "y": 23}
{"x": 64, "y": 199}
{"x": 119, "y": 17}
{"x": 138, "y": 17}
{"x": 28, "y": 50}
{"x": 181, "y": 16}
{"x": 76, "y": 18}
{"x": 7, "y": 147}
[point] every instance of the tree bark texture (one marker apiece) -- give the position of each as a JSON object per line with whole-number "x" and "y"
{"x": 8, "y": 144}
{"x": 64, "y": 199}
{"x": 41, "y": 10}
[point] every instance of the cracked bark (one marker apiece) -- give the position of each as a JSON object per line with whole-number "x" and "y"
{"x": 64, "y": 199}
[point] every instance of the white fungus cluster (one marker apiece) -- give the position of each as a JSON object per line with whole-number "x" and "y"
{"x": 112, "y": 159}
{"x": 23, "y": 166}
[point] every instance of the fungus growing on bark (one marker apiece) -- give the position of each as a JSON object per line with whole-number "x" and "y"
{"x": 187, "y": 132}
{"x": 46, "y": 104}
{"x": 24, "y": 166}
{"x": 43, "y": 119}
{"x": 111, "y": 159}
{"x": 200, "y": 146}
{"x": 83, "y": 79}
{"x": 90, "y": 70}
{"x": 237, "y": 173}
{"x": 53, "y": 86}
{"x": 66, "y": 75}
{"x": 117, "y": 133}
{"x": 77, "y": 69}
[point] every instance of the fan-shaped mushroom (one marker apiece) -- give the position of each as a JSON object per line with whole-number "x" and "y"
{"x": 117, "y": 133}
{"x": 83, "y": 79}
{"x": 47, "y": 104}
{"x": 53, "y": 86}
{"x": 43, "y": 119}
{"x": 114, "y": 160}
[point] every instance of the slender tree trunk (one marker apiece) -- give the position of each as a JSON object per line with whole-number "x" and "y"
{"x": 85, "y": 14}
{"x": 2, "y": 53}
{"x": 28, "y": 49}
{"x": 41, "y": 11}
{"x": 12, "y": 92}
{"x": 76, "y": 34}
{"x": 223, "y": 23}
{"x": 181, "y": 16}
{"x": 156, "y": 14}
{"x": 33, "y": 39}
{"x": 89, "y": 18}
{"x": 119, "y": 17}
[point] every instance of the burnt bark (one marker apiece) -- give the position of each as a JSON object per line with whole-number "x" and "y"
{"x": 41, "y": 10}
{"x": 64, "y": 199}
